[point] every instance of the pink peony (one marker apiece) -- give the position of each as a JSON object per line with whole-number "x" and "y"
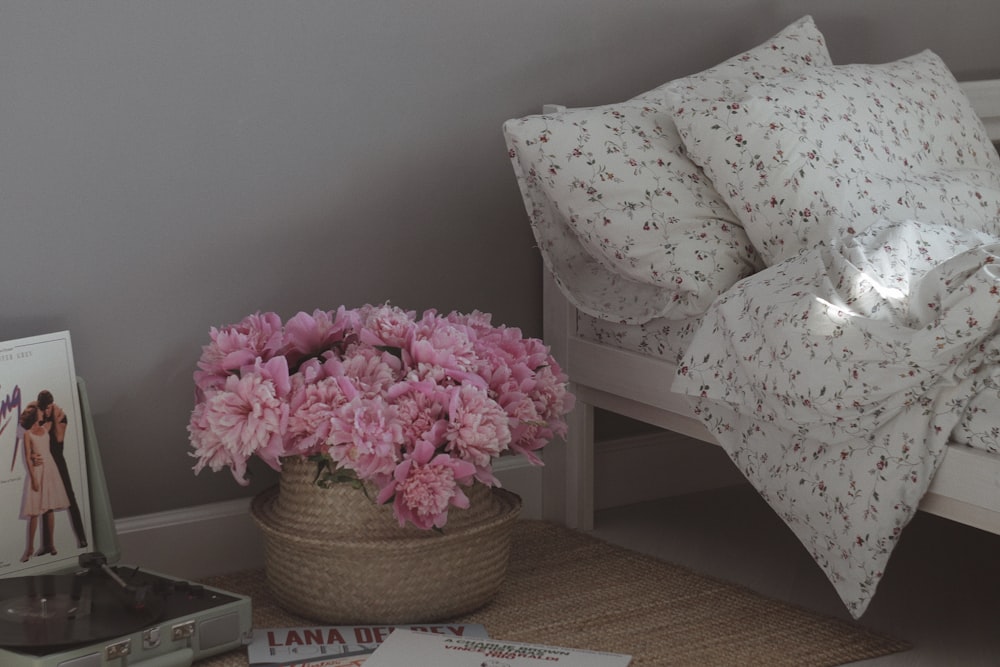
{"x": 248, "y": 416}
{"x": 313, "y": 406}
{"x": 551, "y": 397}
{"x": 424, "y": 488}
{"x": 528, "y": 429}
{"x": 387, "y": 326}
{"x": 366, "y": 436}
{"x": 440, "y": 345}
{"x": 232, "y": 348}
{"x": 477, "y": 427}
{"x": 422, "y": 410}
{"x": 209, "y": 448}
{"x": 307, "y": 335}
{"x": 372, "y": 370}
{"x": 419, "y": 407}
{"x": 475, "y": 320}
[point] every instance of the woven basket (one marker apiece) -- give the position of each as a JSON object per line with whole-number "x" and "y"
{"x": 335, "y": 556}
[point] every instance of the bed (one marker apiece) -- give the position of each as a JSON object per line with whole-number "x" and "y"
{"x": 624, "y": 316}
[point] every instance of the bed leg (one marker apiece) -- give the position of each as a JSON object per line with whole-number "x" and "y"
{"x": 580, "y": 469}
{"x": 568, "y": 475}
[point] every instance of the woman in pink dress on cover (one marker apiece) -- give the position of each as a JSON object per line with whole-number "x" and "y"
{"x": 44, "y": 489}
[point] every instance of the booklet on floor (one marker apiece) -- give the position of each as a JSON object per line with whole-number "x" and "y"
{"x": 336, "y": 645}
{"x": 404, "y": 648}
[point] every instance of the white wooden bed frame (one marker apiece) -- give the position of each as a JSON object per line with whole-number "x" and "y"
{"x": 966, "y": 487}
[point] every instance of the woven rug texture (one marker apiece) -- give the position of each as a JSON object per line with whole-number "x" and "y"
{"x": 567, "y": 588}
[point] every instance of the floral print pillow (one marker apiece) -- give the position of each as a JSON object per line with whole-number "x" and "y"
{"x": 628, "y": 224}
{"x": 824, "y": 152}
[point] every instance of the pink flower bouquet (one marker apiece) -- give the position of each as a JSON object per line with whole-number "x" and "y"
{"x": 417, "y": 407}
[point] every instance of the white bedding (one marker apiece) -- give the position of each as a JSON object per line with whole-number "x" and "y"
{"x": 663, "y": 338}
{"x": 629, "y": 227}
{"x": 835, "y": 378}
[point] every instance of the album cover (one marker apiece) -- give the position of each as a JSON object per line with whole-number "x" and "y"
{"x": 335, "y": 645}
{"x": 45, "y": 518}
{"x": 404, "y": 648}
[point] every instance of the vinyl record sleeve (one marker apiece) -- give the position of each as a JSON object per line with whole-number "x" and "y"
{"x": 39, "y": 474}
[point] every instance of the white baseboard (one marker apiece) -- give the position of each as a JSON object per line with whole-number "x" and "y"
{"x": 221, "y": 537}
{"x": 193, "y": 543}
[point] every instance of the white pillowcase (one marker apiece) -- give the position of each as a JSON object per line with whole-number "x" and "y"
{"x": 628, "y": 225}
{"x": 824, "y": 152}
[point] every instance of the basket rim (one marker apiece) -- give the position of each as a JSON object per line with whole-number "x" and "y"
{"x": 262, "y": 505}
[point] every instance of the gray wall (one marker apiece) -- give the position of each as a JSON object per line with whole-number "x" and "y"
{"x": 166, "y": 167}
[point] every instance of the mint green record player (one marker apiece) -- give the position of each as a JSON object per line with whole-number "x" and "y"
{"x": 98, "y": 613}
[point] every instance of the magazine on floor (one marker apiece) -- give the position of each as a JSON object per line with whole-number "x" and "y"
{"x": 45, "y": 525}
{"x": 413, "y": 649}
{"x": 337, "y": 645}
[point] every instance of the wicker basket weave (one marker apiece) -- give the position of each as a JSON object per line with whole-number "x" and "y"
{"x": 335, "y": 556}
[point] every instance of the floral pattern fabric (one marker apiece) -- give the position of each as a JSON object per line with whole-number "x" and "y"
{"x": 663, "y": 338}
{"x": 834, "y": 379}
{"x": 824, "y": 152}
{"x": 630, "y": 227}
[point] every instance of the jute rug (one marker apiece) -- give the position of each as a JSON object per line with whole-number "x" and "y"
{"x": 570, "y": 589}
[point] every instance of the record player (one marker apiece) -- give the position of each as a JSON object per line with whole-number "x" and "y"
{"x": 103, "y": 614}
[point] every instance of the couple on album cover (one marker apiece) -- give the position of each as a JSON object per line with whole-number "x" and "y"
{"x": 48, "y": 487}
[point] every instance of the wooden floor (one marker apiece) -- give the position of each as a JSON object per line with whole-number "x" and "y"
{"x": 941, "y": 591}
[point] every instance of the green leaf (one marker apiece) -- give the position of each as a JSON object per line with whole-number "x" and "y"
{"x": 394, "y": 351}
{"x": 328, "y": 474}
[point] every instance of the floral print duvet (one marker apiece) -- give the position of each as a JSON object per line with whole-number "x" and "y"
{"x": 835, "y": 379}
